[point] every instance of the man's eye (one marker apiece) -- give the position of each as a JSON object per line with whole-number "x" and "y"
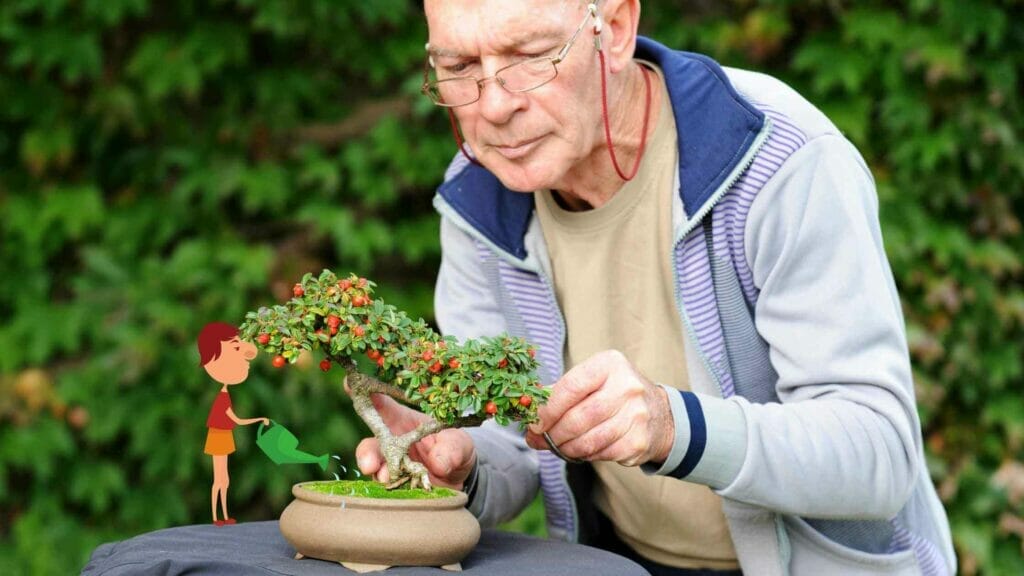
{"x": 460, "y": 68}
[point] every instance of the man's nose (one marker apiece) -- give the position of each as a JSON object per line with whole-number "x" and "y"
{"x": 497, "y": 105}
{"x": 249, "y": 351}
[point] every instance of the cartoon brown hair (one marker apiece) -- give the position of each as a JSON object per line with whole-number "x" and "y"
{"x": 210, "y": 338}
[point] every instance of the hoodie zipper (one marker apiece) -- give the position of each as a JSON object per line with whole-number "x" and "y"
{"x": 737, "y": 172}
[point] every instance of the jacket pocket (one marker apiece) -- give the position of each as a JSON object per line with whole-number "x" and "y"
{"x": 813, "y": 553}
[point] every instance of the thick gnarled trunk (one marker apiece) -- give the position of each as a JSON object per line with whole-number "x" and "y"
{"x": 395, "y": 447}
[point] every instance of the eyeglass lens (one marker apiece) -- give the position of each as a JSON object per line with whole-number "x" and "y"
{"x": 519, "y": 77}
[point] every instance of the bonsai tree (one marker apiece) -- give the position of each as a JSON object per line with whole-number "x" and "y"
{"x": 455, "y": 384}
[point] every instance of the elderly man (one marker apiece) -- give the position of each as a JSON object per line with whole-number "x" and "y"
{"x": 697, "y": 254}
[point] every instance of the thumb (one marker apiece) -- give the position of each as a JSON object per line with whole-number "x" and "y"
{"x": 400, "y": 419}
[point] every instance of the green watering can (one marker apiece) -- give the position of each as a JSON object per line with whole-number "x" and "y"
{"x": 280, "y": 445}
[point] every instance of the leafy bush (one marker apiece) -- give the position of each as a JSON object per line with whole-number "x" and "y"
{"x": 453, "y": 384}
{"x": 167, "y": 164}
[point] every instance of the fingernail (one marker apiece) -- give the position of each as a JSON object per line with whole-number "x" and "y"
{"x": 362, "y": 463}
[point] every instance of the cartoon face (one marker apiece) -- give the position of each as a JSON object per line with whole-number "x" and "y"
{"x": 232, "y": 365}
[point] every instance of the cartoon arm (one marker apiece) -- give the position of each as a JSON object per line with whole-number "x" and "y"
{"x": 245, "y": 421}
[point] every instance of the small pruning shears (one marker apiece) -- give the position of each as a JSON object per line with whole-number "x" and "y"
{"x": 558, "y": 452}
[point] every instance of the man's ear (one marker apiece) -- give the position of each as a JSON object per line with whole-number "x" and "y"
{"x": 621, "y": 19}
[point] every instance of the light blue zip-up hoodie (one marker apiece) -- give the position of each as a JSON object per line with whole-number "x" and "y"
{"x": 801, "y": 413}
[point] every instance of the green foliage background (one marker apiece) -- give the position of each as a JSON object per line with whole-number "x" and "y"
{"x": 166, "y": 164}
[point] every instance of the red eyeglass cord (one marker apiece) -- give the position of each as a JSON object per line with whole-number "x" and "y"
{"x": 607, "y": 127}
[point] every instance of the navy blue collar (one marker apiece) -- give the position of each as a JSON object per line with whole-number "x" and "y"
{"x": 714, "y": 124}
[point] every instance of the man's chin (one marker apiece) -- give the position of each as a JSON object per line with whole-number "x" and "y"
{"x": 522, "y": 176}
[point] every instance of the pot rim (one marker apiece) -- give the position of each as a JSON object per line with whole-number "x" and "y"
{"x": 459, "y": 500}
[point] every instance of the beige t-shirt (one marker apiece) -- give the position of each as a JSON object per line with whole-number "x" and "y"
{"x": 614, "y": 281}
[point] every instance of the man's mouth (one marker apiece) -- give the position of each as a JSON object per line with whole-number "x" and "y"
{"x": 519, "y": 149}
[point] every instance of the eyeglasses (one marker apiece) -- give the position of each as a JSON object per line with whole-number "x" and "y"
{"x": 521, "y": 76}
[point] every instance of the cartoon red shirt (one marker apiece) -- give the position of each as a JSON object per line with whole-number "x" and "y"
{"x": 218, "y": 417}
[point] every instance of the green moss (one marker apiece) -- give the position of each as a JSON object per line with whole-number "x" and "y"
{"x": 367, "y": 489}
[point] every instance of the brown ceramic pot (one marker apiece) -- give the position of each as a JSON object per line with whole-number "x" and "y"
{"x": 367, "y": 534}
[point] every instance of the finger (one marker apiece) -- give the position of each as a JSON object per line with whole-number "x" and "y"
{"x": 536, "y": 441}
{"x": 382, "y": 475}
{"x": 456, "y": 453}
{"x": 428, "y": 442}
{"x": 439, "y": 463}
{"x": 398, "y": 418}
{"x": 368, "y": 456}
{"x": 451, "y": 455}
{"x": 628, "y": 450}
{"x": 423, "y": 457}
{"x": 594, "y": 441}
{"x": 591, "y": 412}
{"x": 578, "y": 383}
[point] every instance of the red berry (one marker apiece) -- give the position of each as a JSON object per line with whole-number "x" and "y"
{"x": 423, "y": 389}
{"x": 532, "y": 352}
{"x": 435, "y": 367}
{"x": 358, "y": 331}
{"x": 345, "y": 284}
{"x": 525, "y": 401}
{"x": 380, "y": 339}
{"x": 428, "y": 355}
{"x": 333, "y": 320}
{"x": 334, "y": 330}
{"x": 503, "y": 363}
{"x": 453, "y": 363}
{"x": 380, "y": 361}
{"x": 298, "y": 291}
{"x": 373, "y": 354}
{"x": 263, "y": 339}
{"x": 491, "y": 408}
{"x": 279, "y": 361}
{"x": 325, "y": 365}
{"x": 359, "y": 301}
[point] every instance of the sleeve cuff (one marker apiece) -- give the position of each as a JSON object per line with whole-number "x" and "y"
{"x": 475, "y": 487}
{"x": 469, "y": 486}
{"x": 681, "y": 441}
{"x": 710, "y": 441}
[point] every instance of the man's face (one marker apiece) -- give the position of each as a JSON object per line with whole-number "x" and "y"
{"x": 232, "y": 366}
{"x": 529, "y": 140}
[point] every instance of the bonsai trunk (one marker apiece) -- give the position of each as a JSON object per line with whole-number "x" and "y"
{"x": 395, "y": 447}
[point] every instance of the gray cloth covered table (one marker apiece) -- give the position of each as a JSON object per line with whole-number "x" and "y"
{"x": 259, "y": 548}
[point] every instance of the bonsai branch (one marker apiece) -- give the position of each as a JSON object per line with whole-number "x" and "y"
{"x": 395, "y": 448}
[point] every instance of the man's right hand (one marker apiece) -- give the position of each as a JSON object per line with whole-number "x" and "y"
{"x": 448, "y": 455}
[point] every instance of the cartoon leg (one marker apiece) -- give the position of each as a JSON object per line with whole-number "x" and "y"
{"x": 214, "y": 490}
{"x": 220, "y": 484}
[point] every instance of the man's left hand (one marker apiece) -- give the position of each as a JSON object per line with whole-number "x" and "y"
{"x": 604, "y": 409}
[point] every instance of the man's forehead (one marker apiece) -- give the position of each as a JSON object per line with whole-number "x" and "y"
{"x": 510, "y": 41}
{"x": 511, "y": 25}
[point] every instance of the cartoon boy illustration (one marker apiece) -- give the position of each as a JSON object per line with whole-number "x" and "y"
{"x": 226, "y": 359}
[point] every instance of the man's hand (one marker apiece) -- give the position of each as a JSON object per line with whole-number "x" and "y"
{"x": 448, "y": 455}
{"x": 604, "y": 409}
